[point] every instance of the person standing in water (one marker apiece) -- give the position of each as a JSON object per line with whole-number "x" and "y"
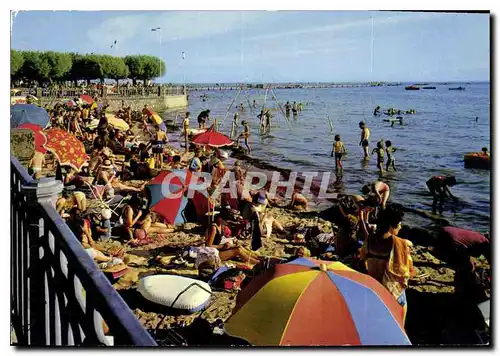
{"x": 294, "y": 110}
{"x": 185, "y": 128}
{"x": 379, "y": 150}
{"x": 376, "y": 111}
{"x": 254, "y": 104}
{"x": 390, "y": 157}
{"x": 365, "y": 136}
{"x": 339, "y": 150}
{"x": 234, "y": 125}
{"x": 245, "y": 135}
{"x": 287, "y": 109}
{"x": 439, "y": 188}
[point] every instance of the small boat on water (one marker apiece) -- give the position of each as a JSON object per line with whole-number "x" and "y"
{"x": 412, "y": 87}
{"x": 458, "y": 88}
{"x": 429, "y": 88}
{"x": 477, "y": 160}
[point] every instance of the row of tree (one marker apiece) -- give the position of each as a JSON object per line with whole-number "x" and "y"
{"x": 53, "y": 66}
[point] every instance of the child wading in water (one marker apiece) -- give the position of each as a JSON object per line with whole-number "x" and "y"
{"x": 339, "y": 150}
{"x": 390, "y": 157}
{"x": 380, "y": 156}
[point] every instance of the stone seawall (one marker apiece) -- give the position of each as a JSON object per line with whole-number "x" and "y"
{"x": 156, "y": 103}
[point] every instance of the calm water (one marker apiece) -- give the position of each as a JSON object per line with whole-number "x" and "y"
{"x": 431, "y": 142}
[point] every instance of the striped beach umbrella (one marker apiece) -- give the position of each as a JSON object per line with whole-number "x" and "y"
{"x": 316, "y": 303}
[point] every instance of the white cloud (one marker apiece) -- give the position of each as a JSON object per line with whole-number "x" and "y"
{"x": 175, "y": 25}
{"x": 377, "y": 21}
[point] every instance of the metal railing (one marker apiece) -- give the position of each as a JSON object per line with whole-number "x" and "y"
{"x": 71, "y": 93}
{"x": 58, "y": 294}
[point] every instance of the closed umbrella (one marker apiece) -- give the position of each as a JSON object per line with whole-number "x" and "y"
{"x": 28, "y": 114}
{"x": 310, "y": 302}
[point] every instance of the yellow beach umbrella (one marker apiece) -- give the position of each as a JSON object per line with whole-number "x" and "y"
{"x": 117, "y": 123}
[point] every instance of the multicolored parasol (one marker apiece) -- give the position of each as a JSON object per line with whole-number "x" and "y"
{"x": 310, "y": 302}
{"x": 67, "y": 149}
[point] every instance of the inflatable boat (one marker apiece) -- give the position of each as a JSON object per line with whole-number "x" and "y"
{"x": 477, "y": 160}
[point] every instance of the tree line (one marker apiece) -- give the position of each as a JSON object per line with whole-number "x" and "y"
{"x": 52, "y": 66}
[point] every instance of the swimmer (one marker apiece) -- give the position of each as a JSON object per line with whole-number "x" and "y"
{"x": 185, "y": 128}
{"x": 339, "y": 150}
{"x": 390, "y": 157}
{"x": 485, "y": 151}
{"x": 294, "y": 110}
{"x": 379, "y": 150}
{"x": 439, "y": 188}
{"x": 376, "y": 111}
{"x": 380, "y": 189}
{"x": 234, "y": 125}
{"x": 365, "y": 136}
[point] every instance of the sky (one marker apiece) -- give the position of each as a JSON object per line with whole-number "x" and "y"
{"x": 274, "y": 46}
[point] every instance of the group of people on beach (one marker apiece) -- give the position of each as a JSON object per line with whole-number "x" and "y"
{"x": 367, "y": 227}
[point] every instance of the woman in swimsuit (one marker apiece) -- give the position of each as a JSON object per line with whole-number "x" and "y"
{"x": 387, "y": 257}
{"x": 227, "y": 251}
{"x": 380, "y": 189}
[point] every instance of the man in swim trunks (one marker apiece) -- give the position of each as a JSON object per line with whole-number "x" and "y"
{"x": 295, "y": 109}
{"x": 203, "y": 117}
{"x": 365, "y": 136}
{"x": 245, "y": 134}
{"x": 157, "y": 145}
{"x": 439, "y": 188}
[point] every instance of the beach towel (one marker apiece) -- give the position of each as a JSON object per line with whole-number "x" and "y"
{"x": 399, "y": 268}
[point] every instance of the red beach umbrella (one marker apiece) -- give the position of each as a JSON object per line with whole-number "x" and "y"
{"x": 40, "y": 139}
{"x": 87, "y": 98}
{"x": 68, "y": 149}
{"x": 212, "y": 138}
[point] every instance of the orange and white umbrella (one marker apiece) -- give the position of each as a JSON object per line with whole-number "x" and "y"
{"x": 67, "y": 149}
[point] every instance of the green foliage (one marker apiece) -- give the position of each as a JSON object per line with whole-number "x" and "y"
{"x": 16, "y": 61}
{"x": 35, "y": 66}
{"x": 59, "y": 63}
{"x": 74, "y": 66}
{"x": 113, "y": 67}
{"x": 86, "y": 67}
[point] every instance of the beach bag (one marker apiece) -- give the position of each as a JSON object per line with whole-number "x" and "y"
{"x": 229, "y": 279}
{"x": 207, "y": 261}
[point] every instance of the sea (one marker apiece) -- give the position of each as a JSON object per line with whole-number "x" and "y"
{"x": 431, "y": 142}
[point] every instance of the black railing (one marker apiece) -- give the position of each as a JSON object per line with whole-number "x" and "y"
{"x": 58, "y": 294}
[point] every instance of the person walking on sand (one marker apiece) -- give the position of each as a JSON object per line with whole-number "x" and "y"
{"x": 185, "y": 128}
{"x": 339, "y": 150}
{"x": 245, "y": 135}
{"x": 365, "y": 136}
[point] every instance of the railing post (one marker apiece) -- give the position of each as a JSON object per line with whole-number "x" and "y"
{"x": 43, "y": 191}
